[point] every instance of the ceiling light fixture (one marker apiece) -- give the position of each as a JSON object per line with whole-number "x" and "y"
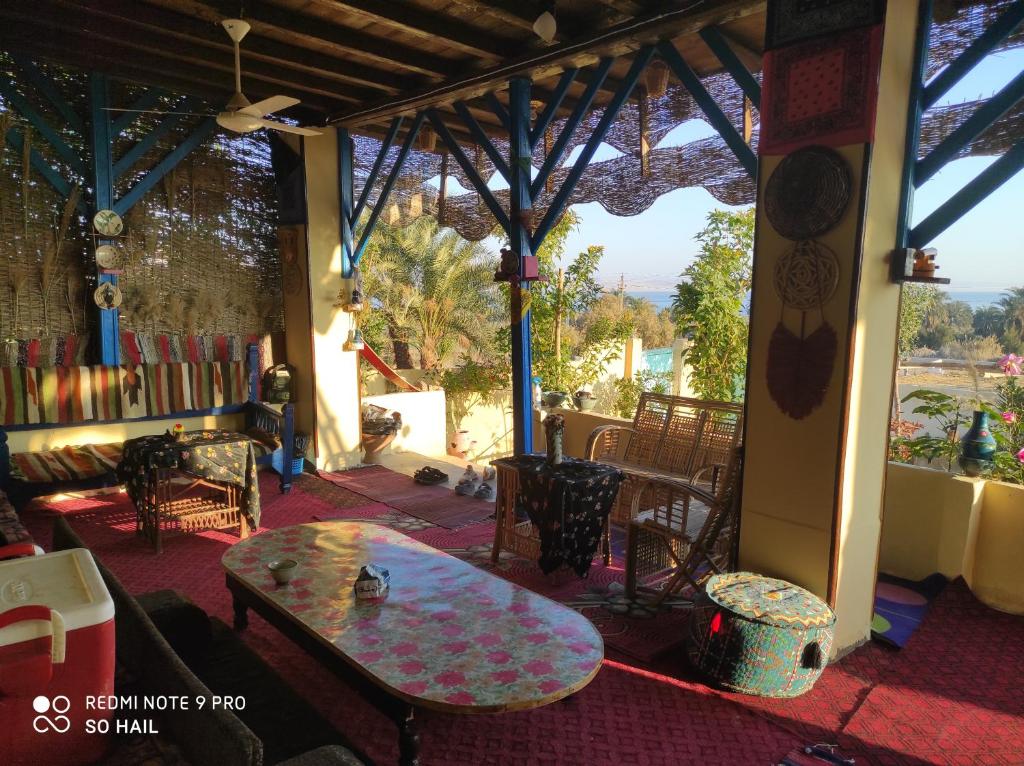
{"x": 545, "y": 26}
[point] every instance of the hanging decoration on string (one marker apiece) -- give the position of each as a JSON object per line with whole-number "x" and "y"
{"x": 805, "y": 197}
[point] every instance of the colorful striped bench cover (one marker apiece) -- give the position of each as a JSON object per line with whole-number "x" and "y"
{"x": 63, "y": 395}
{"x": 70, "y": 463}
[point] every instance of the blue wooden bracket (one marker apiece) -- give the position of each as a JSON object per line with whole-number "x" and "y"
{"x": 912, "y": 138}
{"x": 165, "y": 166}
{"x": 499, "y": 110}
{"x": 378, "y": 163}
{"x": 986, "y": 42}
{"x": 951, "y": 211}
{"x": 346, "y": 203}
{"x": 52, "y": 176}
{"x": 483, "y": 140}
{"x": 969, "y": 129}
{"x": 611, "y": 111}
{"x": 467, "y": 167}
{"x": 252, "y": 359}
{"x": 133, "y": 155}
{"x": 101, "y": 143}
{"x": 716, "y": 41}
{"x": 571, "y": 124}
{"x": 551, "y": 108}
{"x": 145, "y": 102}
{"x": 51, "y": 136}
{"x": 715, "y": 116}
{"x": 389, "y": 184}
{"x": 46, "y": 86}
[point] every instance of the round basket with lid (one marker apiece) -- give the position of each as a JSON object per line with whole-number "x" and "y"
{"x": 760, "y": 635}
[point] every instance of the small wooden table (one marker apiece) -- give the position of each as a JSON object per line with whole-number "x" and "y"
{"x": 448, "y": 636}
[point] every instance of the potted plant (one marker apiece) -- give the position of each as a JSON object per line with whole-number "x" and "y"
{"x": 584, "y": 401}
{"x": 555, "y": 398}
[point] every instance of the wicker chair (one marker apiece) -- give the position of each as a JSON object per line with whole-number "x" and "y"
{"x": 683, "y": 532}
{"x": 671, "y": 437}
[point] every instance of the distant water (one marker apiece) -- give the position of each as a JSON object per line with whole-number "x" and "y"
{"x": 976, "y": 299}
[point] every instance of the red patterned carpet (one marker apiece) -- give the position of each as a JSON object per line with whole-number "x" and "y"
{"x": 954, "y": 695}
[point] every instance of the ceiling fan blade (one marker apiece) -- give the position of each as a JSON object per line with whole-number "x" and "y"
{"x": 156, "y": 111}
{"x": 289, "y": 128}
{"x": 270, "y": 105}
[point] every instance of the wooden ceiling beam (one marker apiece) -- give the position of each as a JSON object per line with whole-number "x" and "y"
{"x": 616, "y": 40}
{"x": 111, "y": 57}
{"x": 272, "y": 21}
{"x": 62, "y": 23}
{"x": 408, "y": 18}
{"x": 190, "y": 30}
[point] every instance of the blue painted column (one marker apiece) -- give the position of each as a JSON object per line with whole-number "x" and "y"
{"x": 103, "y": 199}
{"x": 346, "y": 201}
{"x": 520, "y": 202}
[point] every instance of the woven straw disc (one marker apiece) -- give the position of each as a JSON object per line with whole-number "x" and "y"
{"x": 808, "y": 192}
{"x": 807, "y": 276}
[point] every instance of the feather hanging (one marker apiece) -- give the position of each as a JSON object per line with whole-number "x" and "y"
{"x": 800, "y": 369}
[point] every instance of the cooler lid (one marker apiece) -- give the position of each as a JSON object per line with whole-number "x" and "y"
{"x": 66, "y": 581}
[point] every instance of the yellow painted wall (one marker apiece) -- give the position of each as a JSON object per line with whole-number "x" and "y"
{"x": 930, "y": 522}
{"x": 423, "y": 417}
{"x": 578, "y": 427}
{"x": 996, "y": 573}
{"x": 815, "y": 483}
{"x": 99, "y": 433}
{"x": 335, "y": 370}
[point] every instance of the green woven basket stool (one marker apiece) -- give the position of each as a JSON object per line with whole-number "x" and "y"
{"x": 760, "y": 635}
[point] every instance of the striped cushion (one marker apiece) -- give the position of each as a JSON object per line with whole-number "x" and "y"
{"x": 70, "y": 463}
{"x": 30, "y": 395}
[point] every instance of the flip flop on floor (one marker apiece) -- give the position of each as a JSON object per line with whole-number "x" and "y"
{"x": 485, "y": 492}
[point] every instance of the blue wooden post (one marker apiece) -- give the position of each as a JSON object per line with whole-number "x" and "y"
{"x": 520, "y": 202}
{"x": 346, "y": 201}
{"x": 103, "y": 199}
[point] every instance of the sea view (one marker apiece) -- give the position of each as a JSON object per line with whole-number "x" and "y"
{"x": 976, "y": 299}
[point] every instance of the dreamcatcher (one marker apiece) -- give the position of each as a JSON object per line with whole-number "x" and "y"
{"x": 806, "y": 196}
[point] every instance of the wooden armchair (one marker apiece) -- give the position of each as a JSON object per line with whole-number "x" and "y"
{"x": 682, "y": 531}
{"x": 671, "y": 437}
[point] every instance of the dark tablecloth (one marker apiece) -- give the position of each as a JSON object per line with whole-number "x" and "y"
{"x": 215, "y": 455}
{"x": 568, "y": 504}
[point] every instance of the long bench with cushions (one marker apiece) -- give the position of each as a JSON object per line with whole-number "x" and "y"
{"x": 35, "y": 398}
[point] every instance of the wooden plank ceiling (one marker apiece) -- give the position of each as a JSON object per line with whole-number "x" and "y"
{"x": 361, "y": 62}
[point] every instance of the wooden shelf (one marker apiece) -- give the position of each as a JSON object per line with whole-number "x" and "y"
{"x": 926, "y": 280}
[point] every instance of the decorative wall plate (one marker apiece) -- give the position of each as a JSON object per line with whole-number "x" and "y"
{"x": 108, "y": 257}
{"x": 108, "y": 223}
{"x": 808, "y": 192}
{"x": 107, "y": 296}
{"x": 807, "y": 276}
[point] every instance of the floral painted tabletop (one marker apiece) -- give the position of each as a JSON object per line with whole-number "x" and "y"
{"x": 215, "y": 455}
{"x": 447, "y": 636}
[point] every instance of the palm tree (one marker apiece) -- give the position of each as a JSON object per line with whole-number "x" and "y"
{"x": 1012, "y": 305}
{"x": 434, "y": 290}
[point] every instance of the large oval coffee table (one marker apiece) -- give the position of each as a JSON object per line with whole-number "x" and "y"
{"x": 447, "y": 637}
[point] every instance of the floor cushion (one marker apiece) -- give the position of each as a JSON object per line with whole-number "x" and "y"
{"x": 69, "y": 463}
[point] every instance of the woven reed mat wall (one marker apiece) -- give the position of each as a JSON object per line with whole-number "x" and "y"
{"x": 618, "y": 183}
{"x": 200, "y": 247}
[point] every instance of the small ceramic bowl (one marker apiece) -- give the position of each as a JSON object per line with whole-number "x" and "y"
{"x": 282, "y": 570}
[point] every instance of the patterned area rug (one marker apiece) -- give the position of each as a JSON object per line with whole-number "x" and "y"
{"x": 438, "y": 504}
{"x": 952, "y": 696}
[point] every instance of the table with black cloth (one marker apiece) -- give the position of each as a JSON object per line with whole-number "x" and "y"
{"x": 568, "y": 503}
{"x": 220, "y": 460}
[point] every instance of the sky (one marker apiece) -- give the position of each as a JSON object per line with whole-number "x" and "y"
{"x": 982, "y": 251}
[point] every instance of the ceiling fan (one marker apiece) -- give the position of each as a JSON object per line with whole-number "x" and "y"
{"x": 240, "y": 115}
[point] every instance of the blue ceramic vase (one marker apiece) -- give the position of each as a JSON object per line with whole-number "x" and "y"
{"x": 978, "y": 446}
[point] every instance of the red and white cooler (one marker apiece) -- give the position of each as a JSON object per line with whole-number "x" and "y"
{"x": 56, "y": 648}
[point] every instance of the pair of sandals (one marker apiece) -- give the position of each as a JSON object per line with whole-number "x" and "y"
{"x": 430, "y": 476}
{"x": 470, "y": 479}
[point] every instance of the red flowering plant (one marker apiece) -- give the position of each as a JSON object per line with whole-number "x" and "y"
{"x": 1007, "y": 418}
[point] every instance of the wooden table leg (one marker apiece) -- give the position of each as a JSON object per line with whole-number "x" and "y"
{"x": 241, "y": 613}
{"x": 408, "y": 739}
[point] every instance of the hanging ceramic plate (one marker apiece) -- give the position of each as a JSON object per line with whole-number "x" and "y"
{"x": 108, "y": 223}
{"x": 107, "y": 296}
{"x": 108, "y": 257}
